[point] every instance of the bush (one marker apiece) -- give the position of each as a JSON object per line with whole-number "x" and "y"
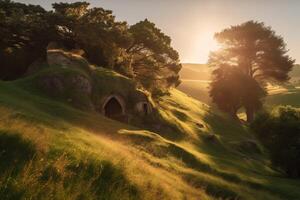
{"x": 279, "y": 132}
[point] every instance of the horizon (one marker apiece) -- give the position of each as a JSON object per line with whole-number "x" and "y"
{"x": 193, "y": 39}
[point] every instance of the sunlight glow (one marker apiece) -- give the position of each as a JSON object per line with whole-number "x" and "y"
{"x": 204, "y": 44}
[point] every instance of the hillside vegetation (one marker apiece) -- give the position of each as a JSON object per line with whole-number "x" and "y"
{"x": 65, "y": 69}
{"x": 53, "y": 151}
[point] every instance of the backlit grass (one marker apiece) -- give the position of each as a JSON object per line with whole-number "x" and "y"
{"x": 63, "y": 153}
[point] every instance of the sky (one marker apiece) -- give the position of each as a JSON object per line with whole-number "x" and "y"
{"x": 192, "y": 23}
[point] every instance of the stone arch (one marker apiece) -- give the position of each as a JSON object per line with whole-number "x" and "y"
{"x": 113, "y": 106}
{"x": 144, "y": 107}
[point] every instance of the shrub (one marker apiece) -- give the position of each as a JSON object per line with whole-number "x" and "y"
{"x": 279, "y": 132}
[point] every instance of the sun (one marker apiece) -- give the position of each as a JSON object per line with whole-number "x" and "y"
{"x": 204, "y": 44}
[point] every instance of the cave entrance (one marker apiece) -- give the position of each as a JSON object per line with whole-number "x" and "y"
{"x": 113, "y": 108}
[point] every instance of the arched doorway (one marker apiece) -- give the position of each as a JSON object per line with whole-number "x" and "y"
{"x": 114, "y": 107}
{"x": 143, "y": 108}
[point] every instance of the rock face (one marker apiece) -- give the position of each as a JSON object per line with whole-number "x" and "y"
{"x": 76, "y": 89}
{"x": 58, "y": 57}
{"x": 80, "y": 86}
{"x": 53, "y": 85}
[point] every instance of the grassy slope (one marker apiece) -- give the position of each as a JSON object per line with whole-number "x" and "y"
{"x": 62, "y": 153}
{"x": 195, "y": 82}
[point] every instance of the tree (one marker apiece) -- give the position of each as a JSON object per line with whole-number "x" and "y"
{"x": 154, "y": 62}
{"x": 259, "y": 56}
{"x": 92, "y": 29}
{"x": 141, "y": 51}
{"x": 279, "y": 132}
{"x": 22, "y": 37}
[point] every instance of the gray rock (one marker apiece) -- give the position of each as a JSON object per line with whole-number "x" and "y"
{"x": 52, "y": 85}
{"x": 81, "y": 84}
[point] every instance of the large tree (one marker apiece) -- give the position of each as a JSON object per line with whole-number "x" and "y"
{"x": 95, "y": 30}
{"x": 141, "y": 51}
{"x": 251, "y": 55}
{"x": 154, "y": 62}
{"x": 22, "y": 37}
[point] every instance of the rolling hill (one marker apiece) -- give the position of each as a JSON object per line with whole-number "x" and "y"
{"x": 51, "y": 150}
{"x": 197, "y": 86}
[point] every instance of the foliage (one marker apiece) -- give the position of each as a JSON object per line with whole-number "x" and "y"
{"x": 22, "y": 37}
{"x": 153, "y": 60}
{"x": 233, "y": 89}
{"x": 141, "y": 51}
{"x": 279, "y": 131}
{"x": 258, "y": 54}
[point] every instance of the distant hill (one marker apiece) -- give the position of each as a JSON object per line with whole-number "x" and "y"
{"x": 195, "y": 72}
{"x": 295, "y": 74}
{"x": 195, "y": 80}
{"x": 196, "y": 77}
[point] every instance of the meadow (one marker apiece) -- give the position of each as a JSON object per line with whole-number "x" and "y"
{"x": 53, "y": 151}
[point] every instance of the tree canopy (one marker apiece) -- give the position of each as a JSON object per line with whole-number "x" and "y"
{"x": 141, "y": 51}
{"x": 250, "y": 56}
{"x": 152, "y": 57}
{"x": 22, "y": 36}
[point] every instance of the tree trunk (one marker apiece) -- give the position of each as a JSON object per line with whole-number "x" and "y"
{"x": 250, "y": 114}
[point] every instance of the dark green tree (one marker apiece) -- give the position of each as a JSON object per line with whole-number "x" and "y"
{"x": 279, "y": 132}
{"x": 95, "y": 30}
{"x": 22, "y": 37}
{"x": 154, "y": 62}
{"x": 259, "y": 56}
{"x": 142, "y": 51}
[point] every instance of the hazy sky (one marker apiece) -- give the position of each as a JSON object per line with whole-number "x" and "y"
{"x": 192, "y": 23}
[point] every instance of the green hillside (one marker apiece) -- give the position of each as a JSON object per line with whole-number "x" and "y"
{"x": 195, "y": 82}
{"x": 50, "y": 150}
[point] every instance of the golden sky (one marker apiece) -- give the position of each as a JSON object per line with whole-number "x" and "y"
{"x": 192, "y": 23}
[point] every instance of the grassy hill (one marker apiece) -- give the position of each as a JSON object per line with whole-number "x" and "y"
{"x": 195, "y": 81}
{"x": 50, "y": 150}
{"x": 196, "y": 77}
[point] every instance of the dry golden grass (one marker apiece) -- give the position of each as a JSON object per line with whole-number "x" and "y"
{"x": 87, "y": 156}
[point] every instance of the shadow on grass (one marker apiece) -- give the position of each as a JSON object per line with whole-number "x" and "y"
{"x": 57, "y": 174}
{"x": 15, "y": 151}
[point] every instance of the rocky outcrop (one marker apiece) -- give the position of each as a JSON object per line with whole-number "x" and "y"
{"x": 76, "y": 89}
{"x": 53, "y": 85}
{"x": 57, "y": 56}
{"x": 81, "y": 84}
{"x": 85, "y": 87}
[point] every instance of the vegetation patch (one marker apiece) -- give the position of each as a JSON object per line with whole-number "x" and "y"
{"x": 15, "y": 152}
{"x": 279, "y": 132}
